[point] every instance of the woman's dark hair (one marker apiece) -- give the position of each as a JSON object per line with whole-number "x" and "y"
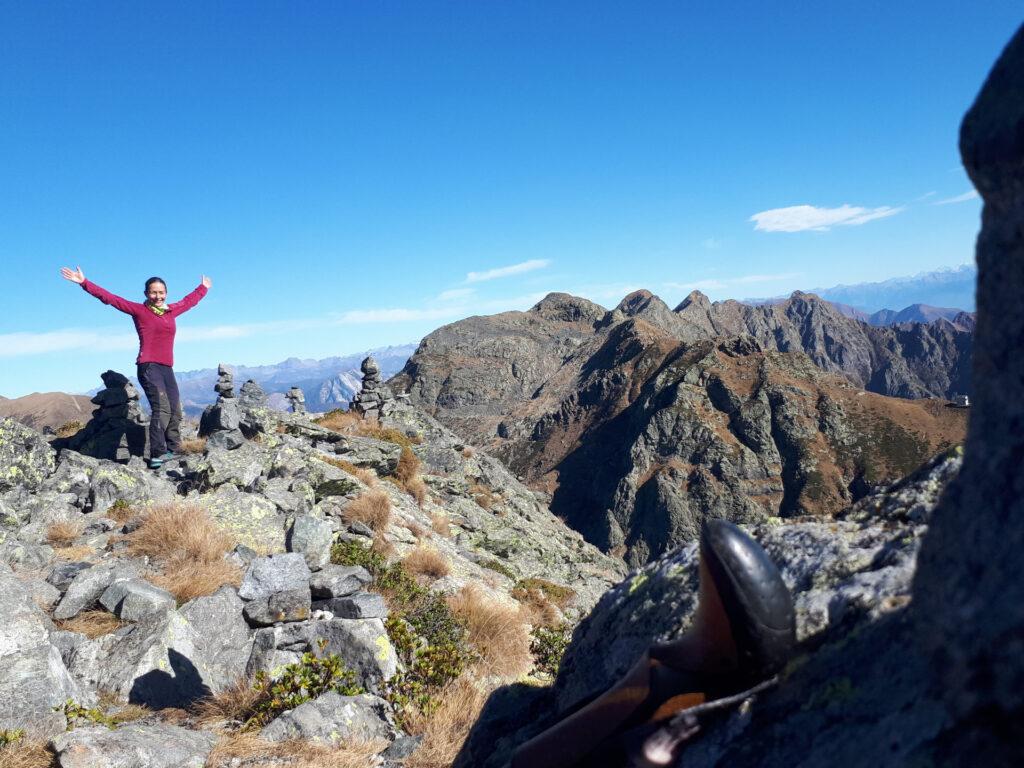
{"x": 155, "y": 280}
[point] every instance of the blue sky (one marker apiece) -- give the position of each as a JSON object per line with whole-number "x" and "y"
{"x": 353, "y": 174}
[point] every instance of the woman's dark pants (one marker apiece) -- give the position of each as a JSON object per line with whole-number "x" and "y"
{"x": 162, "y": 390}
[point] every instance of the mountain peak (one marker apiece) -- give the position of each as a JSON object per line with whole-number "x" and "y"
{"x": 568, "y": 308}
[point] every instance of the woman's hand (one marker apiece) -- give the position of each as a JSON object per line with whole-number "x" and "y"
{"x": 207, "y": 282}
{"x": 76, "y": 276}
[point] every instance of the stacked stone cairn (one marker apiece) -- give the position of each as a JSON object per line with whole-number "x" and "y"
{"x": 118, "y": 429}
{"x": 297, "y": 400}
{"x": 220, "y": 423}
{"x": 374, "y": 399}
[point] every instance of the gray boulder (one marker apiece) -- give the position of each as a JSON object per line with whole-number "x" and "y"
{"x": 26, "y": 459}
{"x": 338, "y": 581}
{"x": 33, "y": 678}
{"x": 248, "y": 517}
{"x": 224, "y": 640}
{"x": 361, "y": 605}
{"x": 241, "y": 467}
{"x": 134, "y": 599}
{"x": 363, "y": 645}
{"x": 157, "y": 662}
{"x": 312, "y": 538}
{"x": 87, "y": 586}
{"x": 136, "y": 745}
{"x": 332, "y": 719}
{"x": 286, "y": 605}
{"x": 276, "y": 573}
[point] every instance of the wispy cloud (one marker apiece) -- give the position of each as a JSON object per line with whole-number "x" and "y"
{"x": 971, "y": 194}
{"x": 800, "y": 218}
{"x": 455, "y": 294}
{"x": 716, "y": 284}
{"x": 512, "y": 269}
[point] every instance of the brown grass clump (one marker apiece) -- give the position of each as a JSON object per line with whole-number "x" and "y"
{"x": 373, "y": 508}
{"x": 416, "y": 529}
{"x": 483, "y": 495}
{"x": 120, "y": 511}
{"x": 234, "y": 703}
{"x": 408, "y": 465}
{"x": 467, "y": 453}
{"x": 70, "y": 428}
{"x": 188, "y": 549}
{"x": 248, "y": 746}
{"x": 63, "y": 534}
{"x": 92, "y": 624}
{"x": 497, "y": 632}
{"x": 444, "y": 731}
{"x": 193, "y": 446}
{"x": 440, "y": 525}
{"x": 349, "y": 423}
{"x": 383, "y": 547}
{"x": 27, "y": 753}
{"x": 417, "y": 489}
{"x": 365, "y": 476}
{"x": 427, "y": 561}
{"x": 75, "y": 554}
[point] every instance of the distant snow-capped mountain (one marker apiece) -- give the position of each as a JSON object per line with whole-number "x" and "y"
{"x": 938, "y": 289}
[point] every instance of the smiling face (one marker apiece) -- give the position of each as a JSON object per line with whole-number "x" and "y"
{"x": 156, "y": 294}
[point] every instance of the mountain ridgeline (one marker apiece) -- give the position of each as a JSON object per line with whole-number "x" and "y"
{"x": 642, "y": 421}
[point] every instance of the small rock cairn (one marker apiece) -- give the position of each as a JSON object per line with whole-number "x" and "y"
{"x": 297, "y": 400}
{"x": 118, "y": 429}
{"x": 220, "y": 422}
{"x": 374, "y": 399}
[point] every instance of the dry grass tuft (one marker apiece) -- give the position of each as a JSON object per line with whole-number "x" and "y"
{"x": 350, "y": 423}
{"x": 427, "y": 561}
{"x": 483, "y": 495}
{"x": 467, "y": 453}
{"x": 234, "y": 703}
{"x": 445, "y": 729}
{"x": 70, "y": 428}
{"x": 92, "y": 624}
{"x": 340, "y": 421}
{"x": 497, "y": 631}
{"x": 408, "y": 465}
{"x": 120, "y": 511}
{"x": 75, "y": 554}
{"x": 193, "y": 446}
{"x": 373, "y": 508}
{"x": 383, "y": 547}
{"x": 440, "y": 525}
{"x": 416, "y": 488}
{"x": 365, "y": 476}
{"x": 188, "y": 548}
{"x": 27, "y": 753}
{"x": 242, "y": 748}
{"x": 63, "y": 534}
{"x": 416, "y": 529}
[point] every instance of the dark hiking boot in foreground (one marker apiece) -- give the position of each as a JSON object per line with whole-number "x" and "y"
{"x": 743, "y": 632}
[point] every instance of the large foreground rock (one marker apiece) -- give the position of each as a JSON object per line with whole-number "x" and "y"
{"x": 133, "y": 746}
{"x": 33, "y": 678}
{"x": 332, "y": 718}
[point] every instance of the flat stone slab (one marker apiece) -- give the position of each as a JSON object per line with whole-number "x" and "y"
{"x": 133, "y": 746}
{"x": 277, "y": 573}
{"x": 338, "y": 581}
{"x": 134, "y": 599}
{"x": 330, "y": 719}
{"x": 361, "y": 605}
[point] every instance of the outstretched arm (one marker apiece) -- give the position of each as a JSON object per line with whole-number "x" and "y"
{"x": 77, "y": 276}
{"x": 193, "y": 298}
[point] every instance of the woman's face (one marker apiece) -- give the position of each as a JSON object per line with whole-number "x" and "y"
{"x": 156, "y": 294}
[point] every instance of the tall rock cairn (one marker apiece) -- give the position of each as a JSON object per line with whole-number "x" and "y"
{"x": 374, "y": 398}
{"x": 118, "y": 429}
{"x": 297, "y": 400}
{"x": 220, "y": 422}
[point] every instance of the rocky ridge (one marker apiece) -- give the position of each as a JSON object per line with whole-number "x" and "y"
{"x": 682, "y": 430}
{"x": 282, "y": 493}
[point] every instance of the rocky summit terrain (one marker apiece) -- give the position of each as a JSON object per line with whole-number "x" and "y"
{"x": 303, "y": 598}
{"x": 713, "y": 426}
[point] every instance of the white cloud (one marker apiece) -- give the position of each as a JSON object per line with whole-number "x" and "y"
{"x": 454, "y": 294}
{"x": 512, "y": 269}
{"x": 971, "y": 194}
{"x": 714, "y": 284}
{"x": 799, "y": 218}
